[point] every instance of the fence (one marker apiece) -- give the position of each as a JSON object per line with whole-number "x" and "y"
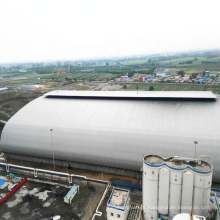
{"x": 11, "y": 192}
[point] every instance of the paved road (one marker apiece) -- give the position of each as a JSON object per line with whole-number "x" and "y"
{"x": 94, "y": 199}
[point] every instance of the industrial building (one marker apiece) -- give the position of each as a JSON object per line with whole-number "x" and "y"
{"x": 31, "y": 87}
{"x": 115, "y": 129}
{"x": 118, "y": 204}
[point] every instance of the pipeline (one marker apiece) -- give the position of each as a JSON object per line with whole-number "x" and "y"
{"x": 126, "y": 185}
{"x": 165, "y": 216}
{"x": 215, "y": 189}
{"x": 97, "y": 212}
{"x": 36, "y": 171}
{"x": 217, "y": 203}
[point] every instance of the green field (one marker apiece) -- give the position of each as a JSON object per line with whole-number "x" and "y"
{"x": 134, "y": 62}
{"x": 195, "y": 66}
{"x": 173, "y": 87}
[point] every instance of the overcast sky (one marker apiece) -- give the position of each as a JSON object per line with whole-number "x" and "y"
{"x": 35, "y": 30}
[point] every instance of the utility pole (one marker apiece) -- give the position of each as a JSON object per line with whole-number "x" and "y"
{"x": 51, "y": 130}
{"x": 195, "y": 142}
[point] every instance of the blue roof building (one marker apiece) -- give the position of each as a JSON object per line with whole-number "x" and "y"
{"x": 71, "y": 194}
{"x": 118, "y": 204}
{"x": 127, "y": 79}
{"x": 161, "y": 74}
{"x": 3, "y": 89}
{"x": 199, "y": 80}
{"x": 3, "y": 183}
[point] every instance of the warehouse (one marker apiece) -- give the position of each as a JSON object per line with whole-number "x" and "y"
{"x": 115, "y": 129}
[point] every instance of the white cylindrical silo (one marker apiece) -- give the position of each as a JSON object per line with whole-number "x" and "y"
{"x": 201, "y": 195}
{"x": 151, "y": 167}
{"x": 184, "y": 183}
{"x": 164, "y": 183}
{"x": 175, "y": 192}
{"x": 187, "y": 192}
{"x": 186, "y": 216}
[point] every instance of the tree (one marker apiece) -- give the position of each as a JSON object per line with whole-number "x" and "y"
{"x": 125, "y": 86}
{"x": 151, "y": 88}
{"x": 130, "y": 74}
{"x": 194, "y": 75}
{"x": 181, "y": 72}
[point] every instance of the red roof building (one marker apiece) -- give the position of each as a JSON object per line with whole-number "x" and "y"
{"x": 141, "y": 79}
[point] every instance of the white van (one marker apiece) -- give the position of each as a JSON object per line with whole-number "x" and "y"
{"x": 12, "y": 187}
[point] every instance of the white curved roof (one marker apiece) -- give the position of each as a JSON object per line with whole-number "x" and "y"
{"x": 135, "y": 94}
{"x": 114, "y": 132}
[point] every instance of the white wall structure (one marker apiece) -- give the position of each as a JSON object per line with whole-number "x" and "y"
{"x": 186, "y": 216}
{"x": 217, "y": 203}
{"x": 164, "y": 185}
{"x": 201, "y": 195}
{"x": 174, "y": 185}
{"x": 187, "y": 192}
{"x": 175, "y": 192}
{"x": 118, "y": 204}
{"x": 150, "y": 189}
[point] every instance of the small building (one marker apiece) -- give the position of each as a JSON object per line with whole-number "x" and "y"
{"x": 118, "y": 204}
{"x": 186, "y": 75}
{"x": 186, "y": 80}
{"x": 161, "y": 74}
{"x": 127, "y": 79}
{"x": 124, "y": 77}
{"x": 27, "y": 87}
{"x": 199, "y": 81}
{"x": 3, "y": 183}
{"x": 71, "y": 194}
{"x": 141, "y": 79}
{"x": 212, "y": 75}
{"x": 3, "y": 89}
{"x": 31, "y": 87}
{"x": 149, "y": 80}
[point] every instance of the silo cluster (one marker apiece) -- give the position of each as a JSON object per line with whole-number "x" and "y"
{"x": 175, "y": 185}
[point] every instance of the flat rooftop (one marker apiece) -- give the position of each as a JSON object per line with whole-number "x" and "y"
{"x": 195, "y": 165}
{"x": 118, "y": 198}
{"x": 132, "y": 94}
